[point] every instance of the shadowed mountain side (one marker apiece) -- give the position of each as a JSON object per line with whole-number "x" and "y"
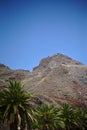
{"x": 57, "y": 79}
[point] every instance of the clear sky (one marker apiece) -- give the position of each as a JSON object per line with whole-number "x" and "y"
{"x": 34, "y": 29}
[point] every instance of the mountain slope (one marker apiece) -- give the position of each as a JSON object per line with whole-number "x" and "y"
{"x": 57, "y": 79}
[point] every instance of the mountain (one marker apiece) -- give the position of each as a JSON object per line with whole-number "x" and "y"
{"x": 57, "y": 79}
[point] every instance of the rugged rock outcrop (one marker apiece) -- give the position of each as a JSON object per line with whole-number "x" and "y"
{"x": 57, "y": 79}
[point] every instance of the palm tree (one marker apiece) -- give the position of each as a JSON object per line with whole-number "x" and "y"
{"x": 81, "y": 118}
{"x": 1, "y": 119}
{"x": 16, "y": 102}
{"x": 68, "y": 116}
{"x": 47, "y": 117}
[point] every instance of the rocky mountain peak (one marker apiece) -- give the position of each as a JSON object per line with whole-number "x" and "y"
{"x": 57, "y": 79}
{"x": 56, "y": 60}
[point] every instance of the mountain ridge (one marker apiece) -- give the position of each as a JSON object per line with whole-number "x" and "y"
{"x": 57, "y": 79}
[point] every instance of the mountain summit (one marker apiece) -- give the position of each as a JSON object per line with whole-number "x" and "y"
{"x": 57, "y": 79}
{"x": 56, "y": 60}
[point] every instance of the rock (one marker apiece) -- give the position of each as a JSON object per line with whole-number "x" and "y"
{"x": 56, "y": 80}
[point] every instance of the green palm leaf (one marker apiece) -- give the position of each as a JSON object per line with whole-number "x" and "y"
{"x": 14, "y": 101}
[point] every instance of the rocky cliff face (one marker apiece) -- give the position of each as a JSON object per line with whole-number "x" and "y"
{"x": 57, "y": 79}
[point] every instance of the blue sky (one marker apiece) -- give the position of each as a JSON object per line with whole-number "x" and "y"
{"x": 34, "y": 29}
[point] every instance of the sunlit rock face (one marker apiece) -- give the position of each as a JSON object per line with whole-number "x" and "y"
{"x": 57, "y": 79}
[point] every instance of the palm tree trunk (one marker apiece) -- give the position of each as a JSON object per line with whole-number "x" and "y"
{"x": 14, "y": 125}
{"x": 22, "y": 125}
